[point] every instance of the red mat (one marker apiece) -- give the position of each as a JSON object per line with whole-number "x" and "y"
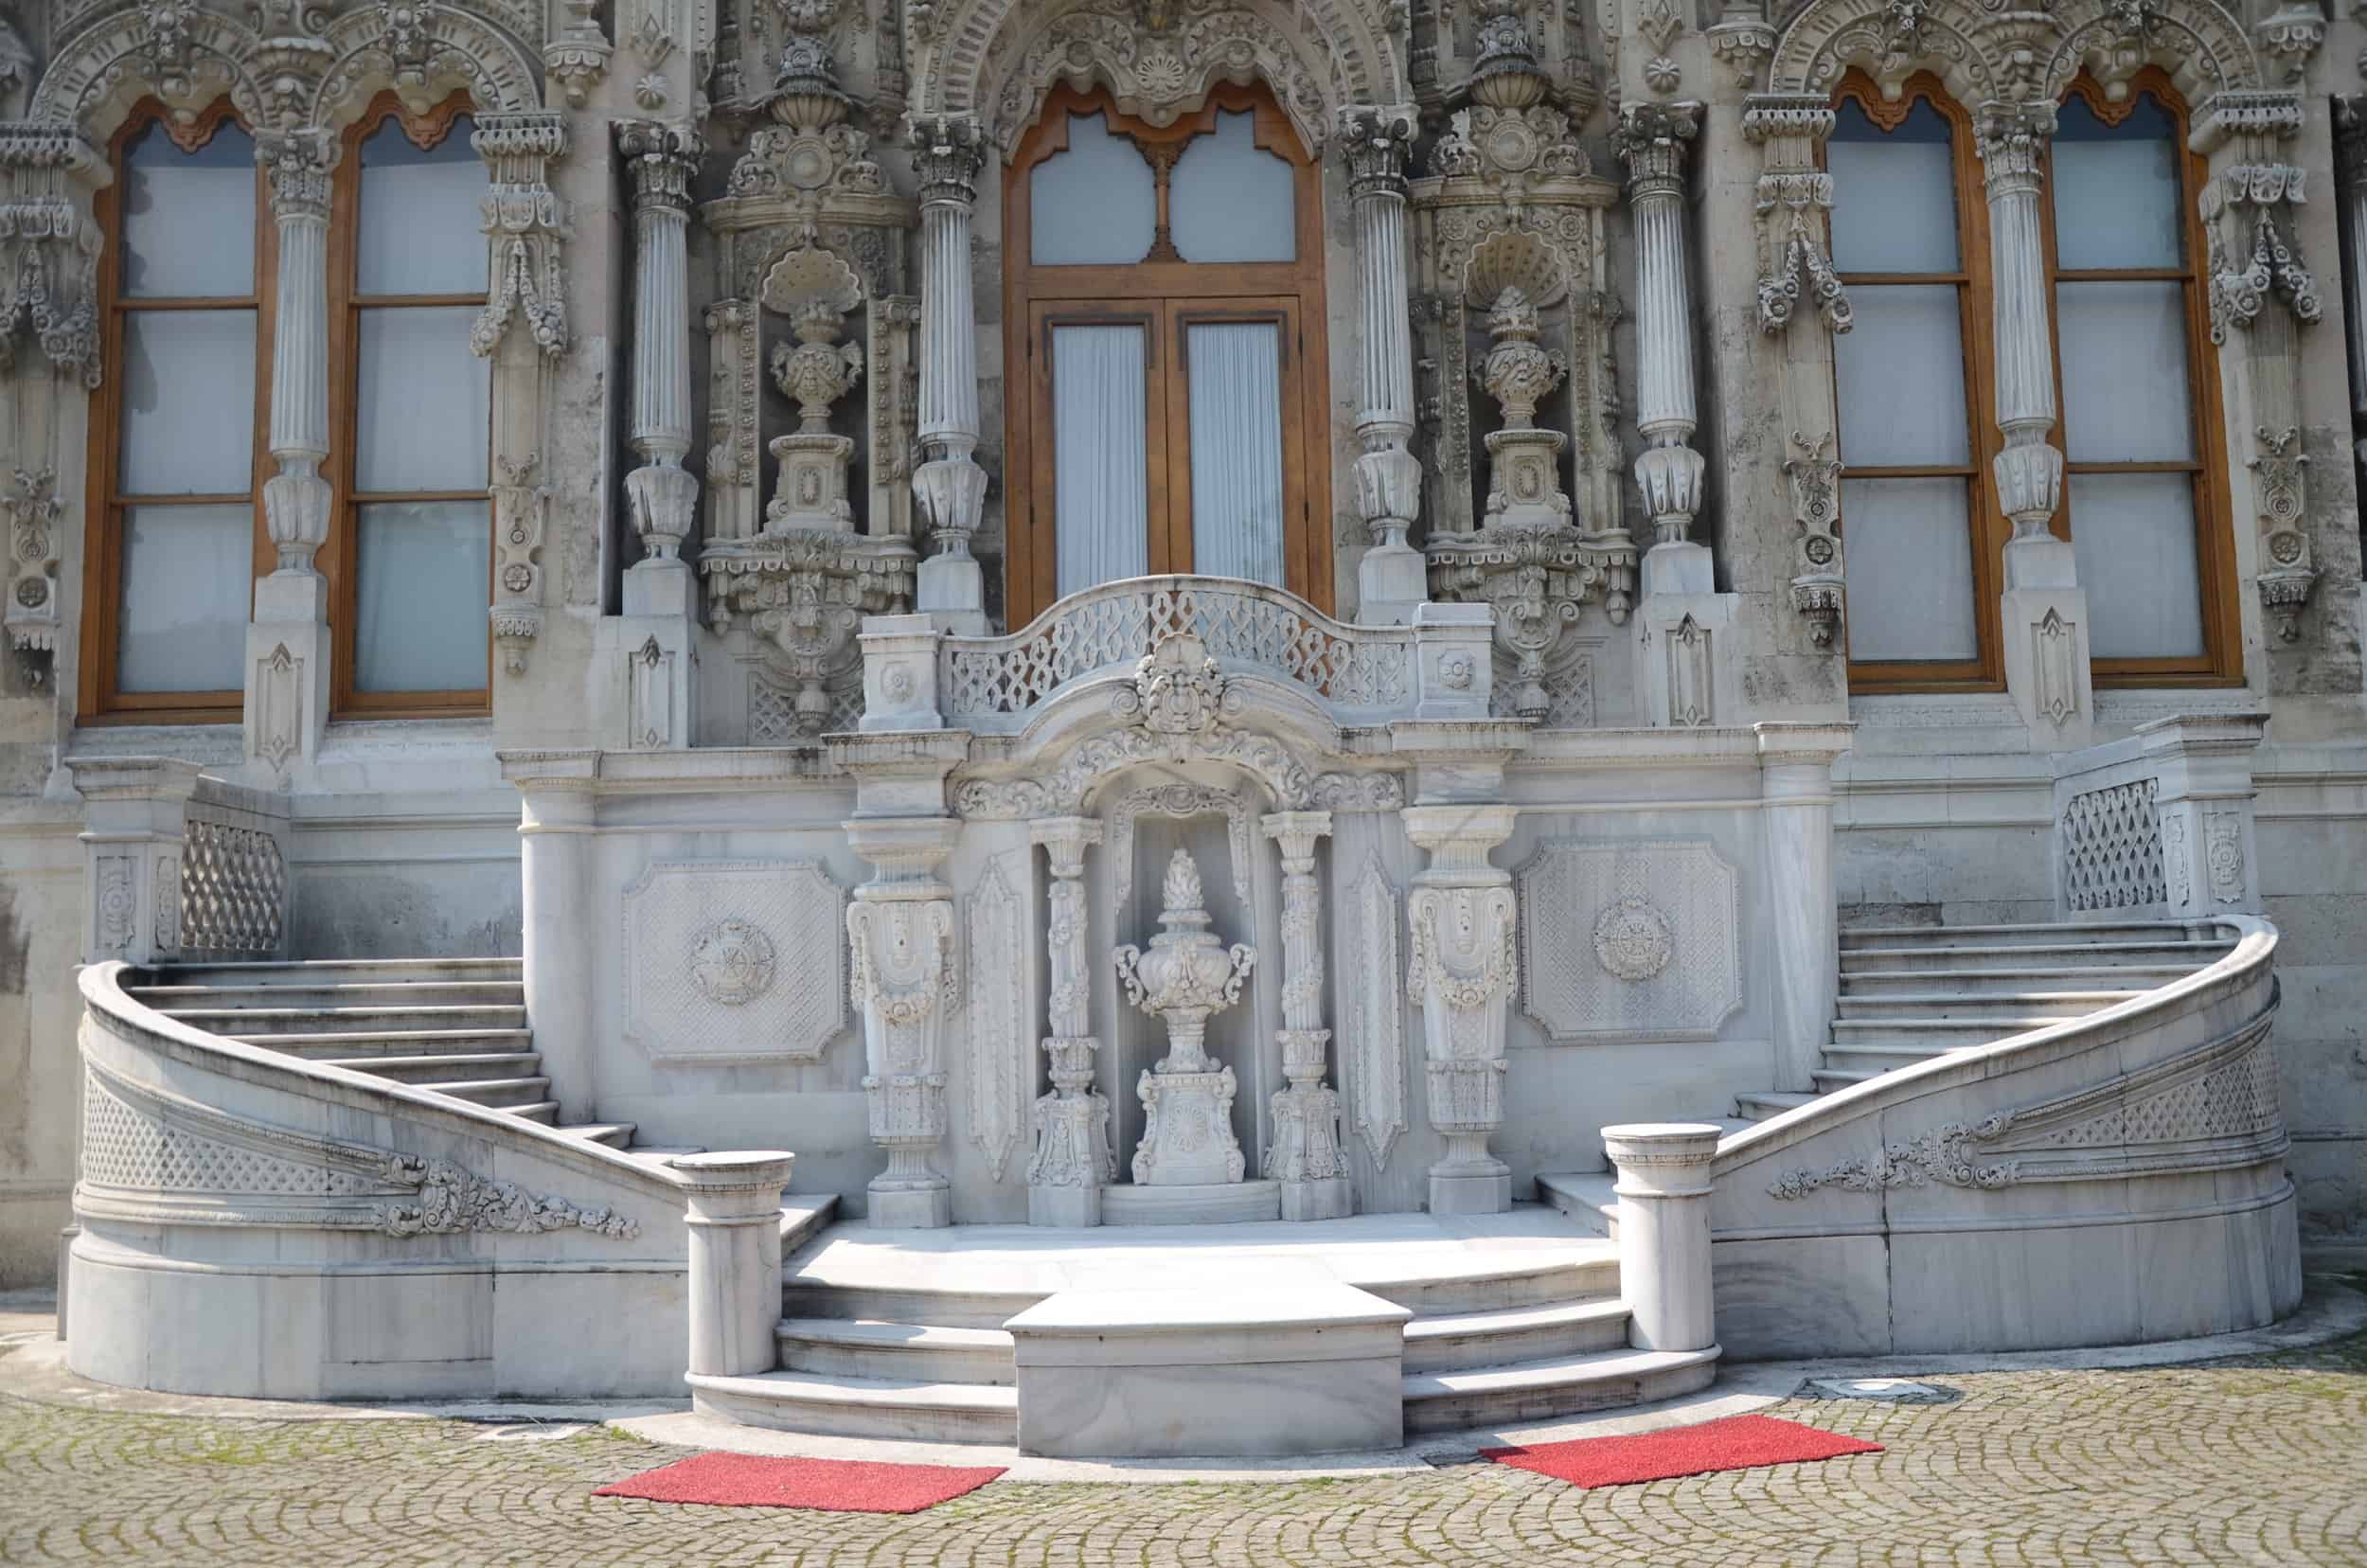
{"x": 842, "y": 1485}
{"x": 1738, "y": 1442}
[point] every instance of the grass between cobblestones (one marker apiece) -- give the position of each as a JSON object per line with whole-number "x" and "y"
{"x": 2259, "y": 1460}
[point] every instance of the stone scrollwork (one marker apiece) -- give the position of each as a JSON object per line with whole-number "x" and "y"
{"x": 1817, "y": 584}
{"x": 521, "y": 517}
{"x": 453, "y": 1200}
{"x": 49, "y": 247}
{"x": 30, "y": 613}
{"x": 733, "y": 962}
{"x": 1943, "y": 1156}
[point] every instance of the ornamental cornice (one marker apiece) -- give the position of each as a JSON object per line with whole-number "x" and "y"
{"x": 1779, "y": 117}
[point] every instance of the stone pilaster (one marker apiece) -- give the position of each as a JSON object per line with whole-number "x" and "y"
{"x": 288, "y": 641}
{"x": 1462, "y": 972}
{"x": 1306, "y": 1156}
{"x": 1073, "y": 1161}
{"x": 904, "y": 979}
{"x": 557, "y": 799}
{"x": 655, "y": 640}
{"x": 2044, "y": 611}
{"x": 136, "y": 825}
{"x": 1796, "y": 808}
{"x": 1390, "y": 577}
{"x": 950, "y": 151}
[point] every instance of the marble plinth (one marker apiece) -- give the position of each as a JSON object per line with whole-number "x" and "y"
{"x": 1476, "y": 1192}
{"x": 1241, "y": 1370}
{"x": 932, "y": 1208}
{"x": 1211, "y": 1203}
{"x": 1328, "y": 1199}
{"x": 1064, "y": 1207}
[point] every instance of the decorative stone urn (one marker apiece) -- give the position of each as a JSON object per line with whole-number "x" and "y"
{"x": 1187, "y": 1100}
{"x": 816, "y": 373}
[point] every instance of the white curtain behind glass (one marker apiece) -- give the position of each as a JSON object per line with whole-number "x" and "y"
{"x": 419, "y": 607}
{"x": 189, "y": 217}
{"x": 1235, "y": 373}
{"x": 1094, "y": 203}
{"x": 1100, "y": 455}
{"x": 1231, "y": 201}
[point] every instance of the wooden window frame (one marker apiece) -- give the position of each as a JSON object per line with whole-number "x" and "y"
{"x": 340, "y": 557}
{"x": 1987, "y": 523}
{"x": 1173, "y": 294}
{"x": 101, "y": 699}
{"x": 2220, "y": 664}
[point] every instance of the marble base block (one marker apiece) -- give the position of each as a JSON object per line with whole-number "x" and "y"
{"x": 1328, "y": 1199}
{"x": 1476, "y": 1193}
{"x": 1067, "y": 1208}
{"x": 1150, "y": 1373}
{"x": 1215, "y": 1203}
{"x": 929, "y": 1209}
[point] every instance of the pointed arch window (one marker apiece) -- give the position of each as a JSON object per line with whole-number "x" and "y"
{"x": 2145, "y": 501}
{"x": 1164, "y": 330}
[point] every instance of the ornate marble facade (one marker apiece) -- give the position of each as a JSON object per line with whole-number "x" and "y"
{"x": 1486, "y": 800}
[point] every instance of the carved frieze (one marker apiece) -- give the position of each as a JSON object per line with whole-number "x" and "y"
{"x": 1630, "y": 939}
{"x": 706, "y": 944}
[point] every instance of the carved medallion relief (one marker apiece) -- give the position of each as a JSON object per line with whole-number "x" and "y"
{"x": 704, "y": 946}
{"x": 1639, "y": 940}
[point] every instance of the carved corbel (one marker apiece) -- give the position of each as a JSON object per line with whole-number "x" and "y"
{"x": 577, "y": 57}
{"x": 2290, "y": 35}
{"x": 50, "y": 247}
{"x": 1794, "y": 212}
{"x": 525, "y": 225}
{"x": 1742, "y": 42}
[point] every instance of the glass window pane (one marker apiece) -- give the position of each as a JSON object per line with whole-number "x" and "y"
{"x": 419, "y": 604}
{"x": 1900, "y": 375}
{"x": 2125, "y": 372}
{"x": 1100, "y": 455}
{"x": 1894, "y": 193}
{"x": 1091, "y": 204}
{"x": 189, "y": 217}
{"x": 1908, "y": 562}
{"x": 425, "y": 401}
{"x": 187, "y": 576}
{"x": 2133, "y": 535}
{"x": 419, "y": 222}
{"x": 1229, "y": 199}
{"x": 2117, "y": 201}
{"x": 188, "y": 402}
{"x": 1235, "y": 373}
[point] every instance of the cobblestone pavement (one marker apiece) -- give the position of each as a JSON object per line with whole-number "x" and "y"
{"x": 2258, "y": 1461}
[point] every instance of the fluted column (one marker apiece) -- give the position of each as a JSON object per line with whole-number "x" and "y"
{"x": 1652, "y": 139}
{"x": 1390, "y": 579}
{"x": 662, "y": 158}
{"x": 949, "y": 152}
{"x": 2043, "y": 610}
{"x": 1073, "y": 1162}
{"x": 1306, "y": 1156}
{"x": 288, "y": 644}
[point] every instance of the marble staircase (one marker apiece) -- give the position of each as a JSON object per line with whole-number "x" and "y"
{"x": 1910, "y": 994}
{"x": 456, "y": 1026}
{"x": 1497, "y": 1337}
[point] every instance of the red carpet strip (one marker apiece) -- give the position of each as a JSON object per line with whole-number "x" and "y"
{"x": 1739, "y": 1442}
{"x": 842, "y": 1485}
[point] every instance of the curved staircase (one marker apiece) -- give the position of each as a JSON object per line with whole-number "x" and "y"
{"x": 1507, "y": 1338}
{"x": 455, "y": 1026}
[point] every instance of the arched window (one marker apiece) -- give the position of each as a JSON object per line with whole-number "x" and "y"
{"x": 413, "y": 419}
{"x": 180, "y": 432}
{"x": 176, "y": 454}
{"x": 2144, "y": 500}
{"x": 1165, "y": 350}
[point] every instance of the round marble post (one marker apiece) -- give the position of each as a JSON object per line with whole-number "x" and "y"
{"x": 949, "y": 153}
{"x": 554, "y": 854}
{"x": 1796, "y": 793}
{"x": 735, "y": 1243}
{"x": 1663, "y": 1191}
{"x": 1652, "y": 138}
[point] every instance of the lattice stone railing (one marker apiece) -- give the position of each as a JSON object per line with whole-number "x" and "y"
{"x": 234, "y": 874}
{"x": 1363, "y": 673}
{"x": 2159, "y": 825}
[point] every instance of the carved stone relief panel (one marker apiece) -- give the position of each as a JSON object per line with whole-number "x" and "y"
{"x": 1000, "y": 1062}
{"x": 1637, "y": 939}
{"x": 735, "y": 961}
{"x": 1372, "y": 1020}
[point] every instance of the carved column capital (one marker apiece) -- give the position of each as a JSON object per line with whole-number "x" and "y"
{"x": 1651, "y": 139}
{"x": 1375, "y": 141}
{"x": 2012, "y": 139}
{"x": 664, "y": 156}
{"x": 299, "y": 165}
{"x": 948, "y": 154}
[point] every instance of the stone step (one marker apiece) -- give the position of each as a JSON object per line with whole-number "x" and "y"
{"x": 476, "y": 994}
{"x": 2193, "y": 955}
{"x": 616, "y": 1135}
{"x": 341, "y": 971}
{"x": 436, "y": 1066}
{"x": 503, "y": 1094}
{"x": 317, "y": 1047}
{"x": 1873, "y": 1059}
{"x": 1499, "y": 1287}
{"x": 864, "y": 1407}
{"x": 245, "y": 1022}
{"x": 804, "y": 1215}
{"x": 1765, "y": 1105}
{"x": 806, "y": 1296}
{"x": 1983, "y": 1005}
{"x": 2044, "y": 933}
{"x": 545, "y": 1111}
{"x": 1586, "y": 1197}
{"x": 1541, "y": 1390}
{"x": 2012, "y": 981}
{"x": 1461, "y": 1341}
{"x": 1932, "y": 1033}
{"x": 909, "y": 1352}
{"x": 1827, "y": 1079}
